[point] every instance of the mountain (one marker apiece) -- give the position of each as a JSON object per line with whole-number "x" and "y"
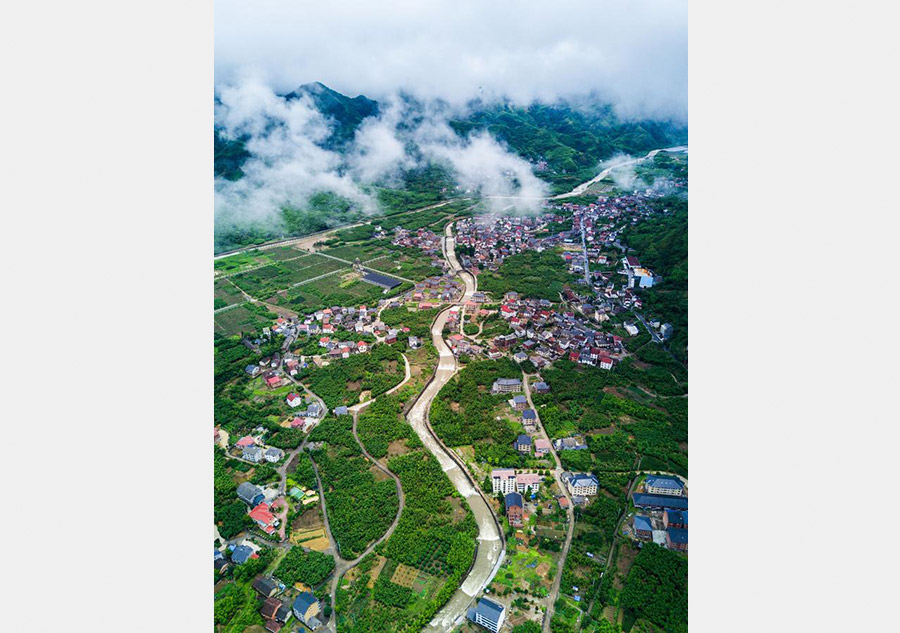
{"x": 565, "y": 140}
{"x": 347, "y": 112}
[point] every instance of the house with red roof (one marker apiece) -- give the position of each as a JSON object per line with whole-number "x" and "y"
{"x": 245, "y": 441}
{"x": 273, "y": 382}
{"x": 294, "y": 400}
{"x": 264, "y": 518}
{"x": 606, "y": 362}
{"x": 362, "y": 347}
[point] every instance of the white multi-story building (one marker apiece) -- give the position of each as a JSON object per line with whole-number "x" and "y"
{"x": 659, "y": 485}
{"x": 503, "y": 480}
{"x": 526, "y": 481}
{"x": 488, "y": 614}
{"x": 581, "y": 484}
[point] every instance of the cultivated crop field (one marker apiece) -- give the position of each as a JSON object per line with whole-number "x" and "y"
{"x": 364, "y": 250}
{"x": 239, "y": 319}
{"x": 241, "y": 261}
{"x": 407, "y": 263}
{"x": 339, "y": 289}
{"x": 225, "y": 294}
{"x": 281, "y": 253}
{"x": 266, "y": 281}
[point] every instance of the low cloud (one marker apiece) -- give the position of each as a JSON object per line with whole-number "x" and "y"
{"x": 631, "y": 54}
{"x": 287, "y": 165}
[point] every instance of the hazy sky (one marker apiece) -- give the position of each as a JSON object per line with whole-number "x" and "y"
{"x": 632, "y": 52}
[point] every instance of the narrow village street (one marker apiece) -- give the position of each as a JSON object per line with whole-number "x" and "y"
{"x": 570, "y": 512}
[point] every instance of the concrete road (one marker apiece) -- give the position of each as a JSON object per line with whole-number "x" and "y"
{"x": 580, "y": 189}
{"x": 570, "y": 512}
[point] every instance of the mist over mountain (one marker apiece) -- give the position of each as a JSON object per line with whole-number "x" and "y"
{"x": 315, "y": 158}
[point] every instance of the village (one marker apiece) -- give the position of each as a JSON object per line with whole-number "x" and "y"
{"x": 589, "y": 322}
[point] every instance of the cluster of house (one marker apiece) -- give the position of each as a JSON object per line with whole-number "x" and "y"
{"x": 307, "y": 417}
{"x": 422, "y": 240}
{"x": 342, "y": 349}
{"x": 484, "y": 242}
{"x": 433, "y": 291}
{"x": 512, "y": 486}
{"x": 260, "y": 504}
{"x": 238, "y": 554}
{"x": 253, "y": 450}
{"x": 543, "y": 334}
{"x": 271, "y": 369}
{"x": 664, "y": 499}
{"x": 276, "y": 612}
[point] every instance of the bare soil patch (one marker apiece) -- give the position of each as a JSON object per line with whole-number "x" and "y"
{"x": 379, "y": 474}
{"x": 376, "y": 571}
{"x": 354, "y": 386}
{"x": 397, "y": 447}
{"x": 459, "y": 512}
{"x": 310, "y": 519}
{"x": 318, "y": 544}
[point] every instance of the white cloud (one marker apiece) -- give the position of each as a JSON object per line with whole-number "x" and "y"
{"x": 286, "y": 166}
{"x": 634, "y": 54}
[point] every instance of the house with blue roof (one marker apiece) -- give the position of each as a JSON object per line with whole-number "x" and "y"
{"x": 241, "y": 554}
{"x": 488, "y": 614}
{"x": 675, "y": 519}
{"x": 659, "y": 502}
{"x": 515, "y": 510}
{"x": 581, "y": 484}
{"x": 523, "y": 444}
{"x": 306, "y": 608}
{"x": 643, "y": 529}
{"x": 677, "y": 539}
{"x": 664, "y": 485}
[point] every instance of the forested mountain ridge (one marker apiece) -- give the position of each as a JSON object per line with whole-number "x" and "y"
{"x": 564, "y": 141}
